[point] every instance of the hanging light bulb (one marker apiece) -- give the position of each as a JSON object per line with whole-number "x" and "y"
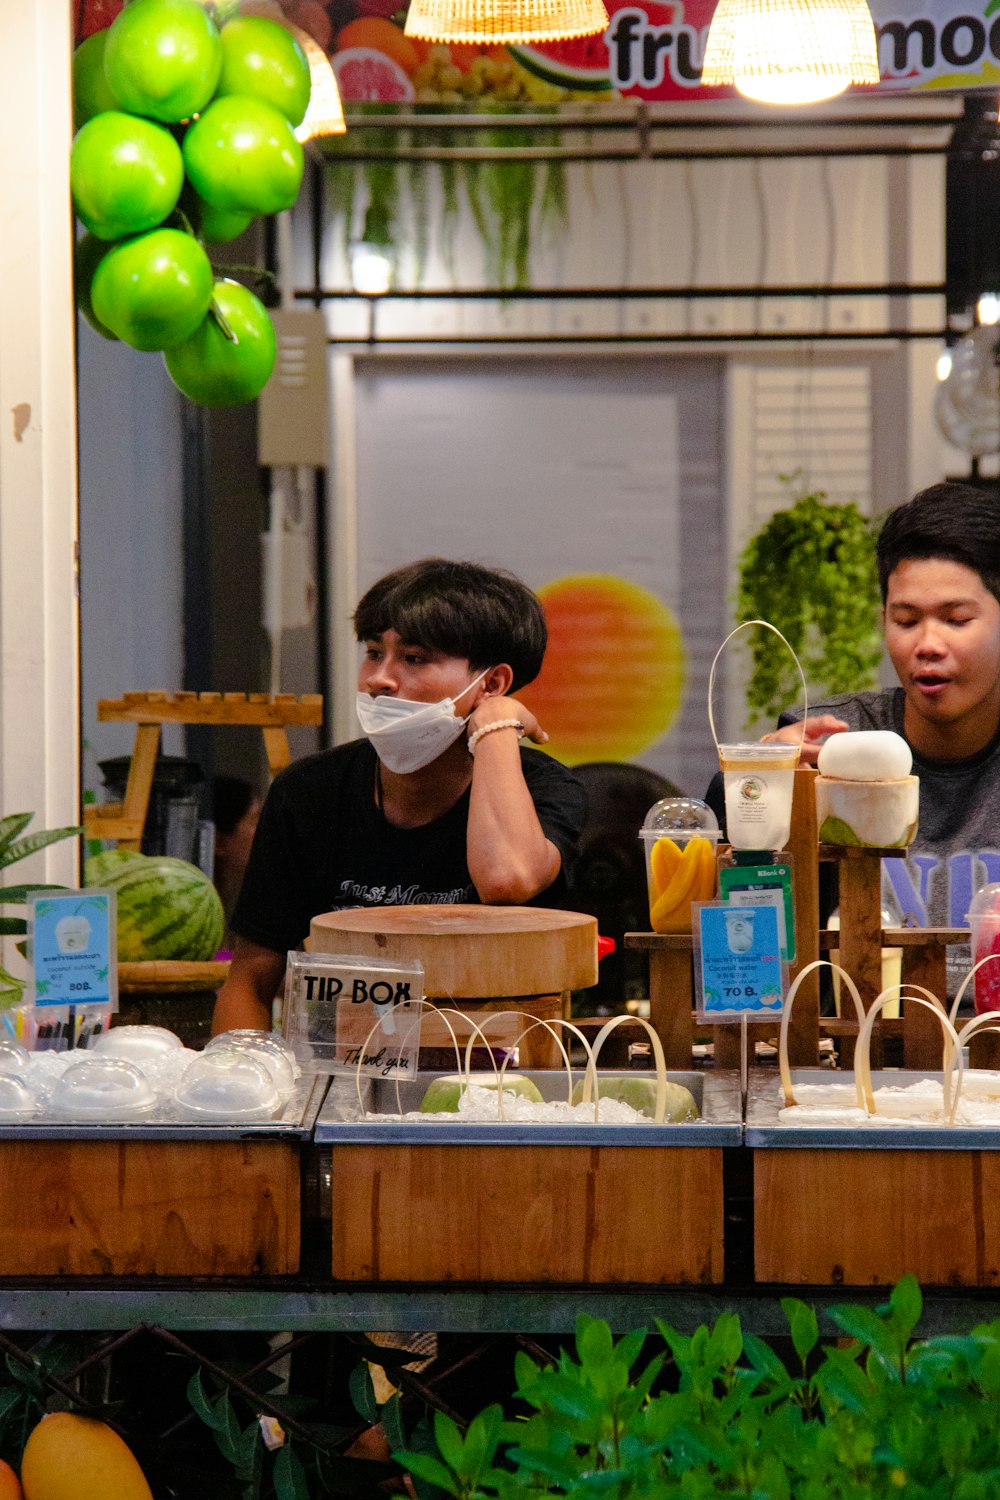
{"x": 490, "y": 21}
{"x": 791, "y": 51}
{"x": 988, "y": 309}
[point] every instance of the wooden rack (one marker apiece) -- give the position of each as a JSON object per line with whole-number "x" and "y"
{"x": 860, "y": 940}
{"x": 125, "y": 821}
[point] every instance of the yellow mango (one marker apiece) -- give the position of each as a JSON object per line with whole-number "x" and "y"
{"x": 68, "y": 1457}
{"x": 672, "y": 911}
{"x": 663, "y": 862}
{"x": 706, "y": 877}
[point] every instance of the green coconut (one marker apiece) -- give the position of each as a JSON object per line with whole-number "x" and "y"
{"x": 442, "y": 1094}
{"x": 639, "y": 1092}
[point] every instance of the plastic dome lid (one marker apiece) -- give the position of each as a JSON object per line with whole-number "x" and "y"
{"x": 278, "y": 1059}
{"x": 102, "y": 1088}
{"x": 683, "y": 815}
{"x": 17, "y": 1102}
{"x": 985, "y": 903}
{"x": 13, "y": 1057}
{"x": 140, "y": 1043}
{"x": 226, "y": 1084}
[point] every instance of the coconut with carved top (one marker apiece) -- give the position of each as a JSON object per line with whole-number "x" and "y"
{"x": 866, "y": 795}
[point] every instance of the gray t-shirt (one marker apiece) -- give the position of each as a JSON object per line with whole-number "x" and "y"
{"x": 957, "y": 847}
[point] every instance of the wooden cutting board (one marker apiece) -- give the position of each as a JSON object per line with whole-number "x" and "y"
{"x": 471, "y": 952}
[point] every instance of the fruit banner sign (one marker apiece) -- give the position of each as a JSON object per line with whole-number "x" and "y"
{"x": 651, "y": 51}
{"x": 185, "y": 133}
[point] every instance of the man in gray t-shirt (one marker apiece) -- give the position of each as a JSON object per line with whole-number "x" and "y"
{"x": 938, "y": 561}
{"x": 957, "y": 847}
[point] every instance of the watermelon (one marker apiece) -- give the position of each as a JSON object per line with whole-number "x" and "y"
{"x": 580, "y": 65}
{"x": 167, "y": 908}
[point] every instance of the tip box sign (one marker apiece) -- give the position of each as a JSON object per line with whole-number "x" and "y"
{"x": 345, "y": 1013}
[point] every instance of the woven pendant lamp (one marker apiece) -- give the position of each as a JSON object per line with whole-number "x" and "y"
{"x": 489, "y": 21}
{"x": 325, "y": 112}
{"x": 791, "y": 51}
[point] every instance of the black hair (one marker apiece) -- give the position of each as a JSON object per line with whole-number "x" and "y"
{"x": 485, "y": 615}
{"x": 958, "y": 522}
{"x": 232, "y": 798}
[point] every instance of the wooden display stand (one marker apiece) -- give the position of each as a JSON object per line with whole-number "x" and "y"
{"x": 860, "y": 940}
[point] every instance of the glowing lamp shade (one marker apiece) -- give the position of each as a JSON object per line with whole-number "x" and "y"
{"x": 504, "y": 20}
{"x": 791, "y": 51}
{"x": 325, "y": 112}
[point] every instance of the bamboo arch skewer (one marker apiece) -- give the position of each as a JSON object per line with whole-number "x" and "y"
{"x": 866, "y": 1099}
{"x": 478, "y": 1030}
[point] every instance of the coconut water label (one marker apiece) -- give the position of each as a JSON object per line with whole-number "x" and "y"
{"x": 351, "y": 1014}
{"x": 738, "y": 967}
{"x": 72, "y": 943}
{"x": 743, "y": 885}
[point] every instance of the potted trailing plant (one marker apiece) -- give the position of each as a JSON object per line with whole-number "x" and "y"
{"x": 13, "y": 848}
{"x": 810, "y": 571}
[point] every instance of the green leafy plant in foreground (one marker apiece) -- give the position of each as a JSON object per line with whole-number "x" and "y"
{"x": 13, "y": 848}
{"x": 718, "y": 1412}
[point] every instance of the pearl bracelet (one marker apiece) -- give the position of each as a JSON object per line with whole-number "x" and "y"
{"x": 489, "y": 728}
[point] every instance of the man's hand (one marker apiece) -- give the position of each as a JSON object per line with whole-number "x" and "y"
{"x": 489, "y": 710}
{"x": 809, "y": 735}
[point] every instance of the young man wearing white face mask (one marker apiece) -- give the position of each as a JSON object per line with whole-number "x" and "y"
{"x": 439, "y": 803}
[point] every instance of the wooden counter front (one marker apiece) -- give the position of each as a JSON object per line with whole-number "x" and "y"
{"x": 864, "y": 1218}
{"x": 594, "y": 1214}
{"x": 149, "y": 1208}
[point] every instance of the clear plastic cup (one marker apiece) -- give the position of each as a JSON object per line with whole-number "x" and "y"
{"x": 138, "y": 1043}
{"x": 17, "y": 1102}
{"x": 277, "y": 1057}
{"x": 679, "y": 835}
{"x": 984, "y": 925}
{"x": 226, "y": 1085}
{"x": 102, "y": 1088}
{"x": 759, "y": 780}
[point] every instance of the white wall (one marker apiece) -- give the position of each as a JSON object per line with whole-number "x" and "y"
{"x": 131, "y": 538}
{"x": 38, "y": 610}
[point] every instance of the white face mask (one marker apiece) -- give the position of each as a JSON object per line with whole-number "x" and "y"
{"x": 407, "y": 735}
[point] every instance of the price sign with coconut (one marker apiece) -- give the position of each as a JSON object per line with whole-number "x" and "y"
{"x": 72, "y": 946}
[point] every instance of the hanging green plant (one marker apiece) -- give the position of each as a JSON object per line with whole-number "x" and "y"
{"x": 510, "y": 202}
{"x": 810, "y": 571}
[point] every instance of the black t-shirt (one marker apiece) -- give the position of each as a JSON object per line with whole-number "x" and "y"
{"x": 323, "y": 845}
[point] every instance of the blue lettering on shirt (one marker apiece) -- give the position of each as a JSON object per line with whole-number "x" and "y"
{"x": 964, "y": 873}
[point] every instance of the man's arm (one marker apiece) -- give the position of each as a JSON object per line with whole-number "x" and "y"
{"x": 510, "y": 859}
{"x": 245, "y": 999}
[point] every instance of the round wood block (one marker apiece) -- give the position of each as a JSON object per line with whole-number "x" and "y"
{"x": 471, "y": 952}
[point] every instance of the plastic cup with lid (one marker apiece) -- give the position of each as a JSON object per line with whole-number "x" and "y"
{"x": 984, "y": 926}
{"x": 679, "y": 835}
